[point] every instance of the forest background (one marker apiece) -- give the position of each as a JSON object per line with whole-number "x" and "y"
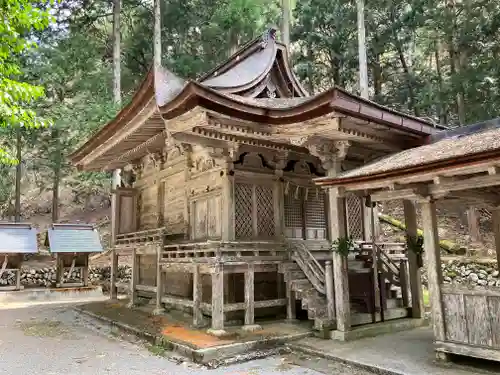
{"x": 437, "y": 59}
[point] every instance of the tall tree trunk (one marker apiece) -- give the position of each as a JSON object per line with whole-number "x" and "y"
{"x": 57, "y": 176}
{"x": 117, "y": 95}
{"x": 409, "y": 79}
{"x": 443, "y": 118}
{"x": 363, "y": 65}
{"x": 157, "y": 34}
{"x": 285, "y": 23}
{"x": 19, "y": 145}
{"x": 310, "y": 59}
{"x": 460, "y": 64}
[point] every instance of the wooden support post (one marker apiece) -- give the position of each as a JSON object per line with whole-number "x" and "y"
{"x": 290, "y": 299}
{"x": 59, "y": 271}
{"x": 434, "y": 274}
{"x": 249, "y": 300}
{"x": 340, "y": 276}
{"x": 330, "y": 293}
{"x": 415, "y": 277}
{"x": 159, "y": 283}
{"x": 134, "y": 279}
{"x": 113, "y": 293}
{"x": 473, "y": 224}
{"x": 217, "y": 301}
{"x": 279, "y": 207}
{"x": 228, "y": 204}
{"x": 85, "y": 271}
{"x": 197, "y": 297}
{"x": 496, "y": 230}
{"x": 403, "y": 280}
{"x": 18, "y": 279}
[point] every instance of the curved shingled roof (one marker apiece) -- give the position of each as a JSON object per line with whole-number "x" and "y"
{"x": 223, "y": 90}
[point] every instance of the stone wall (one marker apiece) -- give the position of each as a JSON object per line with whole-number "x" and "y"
{"x": 46, "y": 277}
{"x": 472, "y": 273}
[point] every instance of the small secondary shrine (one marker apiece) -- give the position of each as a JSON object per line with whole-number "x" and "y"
{"x": 218, "y": 207}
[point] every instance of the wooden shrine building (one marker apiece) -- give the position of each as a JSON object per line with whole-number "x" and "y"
{"x": 218, "y": 204}
{"x": 72, "y": 245}
{"x": 462, "y": 165}
{"x": 16, "y": 240}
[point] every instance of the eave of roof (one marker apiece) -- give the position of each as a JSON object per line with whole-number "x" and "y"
{"x": 142, "y": 96}
{"x": 437, "y": 166}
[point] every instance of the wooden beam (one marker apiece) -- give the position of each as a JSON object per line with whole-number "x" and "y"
{"x": 249, "y": 296}
{"x": 197, "y": 297}
{"x": 417, "y": 301}
{"x": 434, "y": 272}
{"x": 218, "y": 300}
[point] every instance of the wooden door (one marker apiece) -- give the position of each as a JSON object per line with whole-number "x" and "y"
{"x": 123, "y": 211}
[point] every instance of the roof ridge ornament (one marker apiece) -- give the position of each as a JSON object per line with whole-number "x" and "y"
{"x": 270, "y": 34}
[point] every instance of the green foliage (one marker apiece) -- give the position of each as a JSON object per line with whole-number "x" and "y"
{"x": 19, "y": 17}
{"x": 343, "y": 245}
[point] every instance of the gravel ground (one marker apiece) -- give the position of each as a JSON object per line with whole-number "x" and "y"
{"x": 55, "y": 340}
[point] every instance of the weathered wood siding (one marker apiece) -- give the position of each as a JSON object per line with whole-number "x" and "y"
{"x": 471, "y": 315}
{"x": 147, "y": 270}
{"x": 204, "y": 193}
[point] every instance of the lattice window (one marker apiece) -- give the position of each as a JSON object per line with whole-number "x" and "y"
{"x": 294, "y": 210}
{"x": 254, "y": 211}
{"x": 265, "y": 211}
{"x": 315, "y": 209}
{"x": 243, "y": 197}
{"x": 354, "y": 210}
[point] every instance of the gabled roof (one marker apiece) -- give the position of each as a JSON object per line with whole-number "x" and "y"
{"x": 73, "y": 238}
{"x": 251, "y": 68}
{"x": 235, "y": 89}
{"x": 18, "y": 238}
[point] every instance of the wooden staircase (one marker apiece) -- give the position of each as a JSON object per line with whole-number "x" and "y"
{"x": 304, "y": 274}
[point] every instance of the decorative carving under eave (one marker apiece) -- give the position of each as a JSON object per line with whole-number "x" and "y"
{"x": 330, "y": 153}
{"x": 279, "y": 160}
{"x": 299, "y": 141}
{"x": 203, "y": 163}
{"x": 302, "y": 167}
{"x": 253, "y": 160}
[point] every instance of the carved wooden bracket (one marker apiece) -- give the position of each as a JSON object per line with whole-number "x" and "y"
{"x": 279, "y": 160}
{"x": 330, "y": 153}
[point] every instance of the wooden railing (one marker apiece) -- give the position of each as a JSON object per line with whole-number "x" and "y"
{"x": 225, "y": 251}
{"x": 314, "y": 271}
{"x": 140, "y": 237}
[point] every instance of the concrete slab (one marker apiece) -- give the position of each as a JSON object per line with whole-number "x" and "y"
{"x": 402, "y": 353}
{"x": 32, "y": 296}
{"x": 173, "y": 331}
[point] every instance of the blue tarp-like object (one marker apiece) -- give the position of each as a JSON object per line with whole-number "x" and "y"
{"x": 18, "y": 238}
{"x": 74, "y": 238}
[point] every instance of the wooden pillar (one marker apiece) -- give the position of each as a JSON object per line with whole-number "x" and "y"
{"x": 341, "y": 281}
{"x": 113, "y": 293}
{"x": 217, "y": 301}
{"x": 249, "y": 299}
{"x": 415, "y": 277}
{"x": 495, "y": 218}
{"x": 197, "y": 297}
{"x": 228, "y": 204}
{"x": 330, "y": 293}
{"x": 279, "y": 208}
{"x": 290, "y": 298}
{"x": 159, "y": 282}
{"x": 473, "y": 224}
{"x": 434, "y": 274}
{"x": 18, "y": 274}
{"x": 85, "y": 271}
{"x": 134, "y": 279}
{"x": 59, "y": 271}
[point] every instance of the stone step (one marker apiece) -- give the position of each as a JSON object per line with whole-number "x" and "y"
{"x": 389, "y": 314}
{"x": 393, "y": 303}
